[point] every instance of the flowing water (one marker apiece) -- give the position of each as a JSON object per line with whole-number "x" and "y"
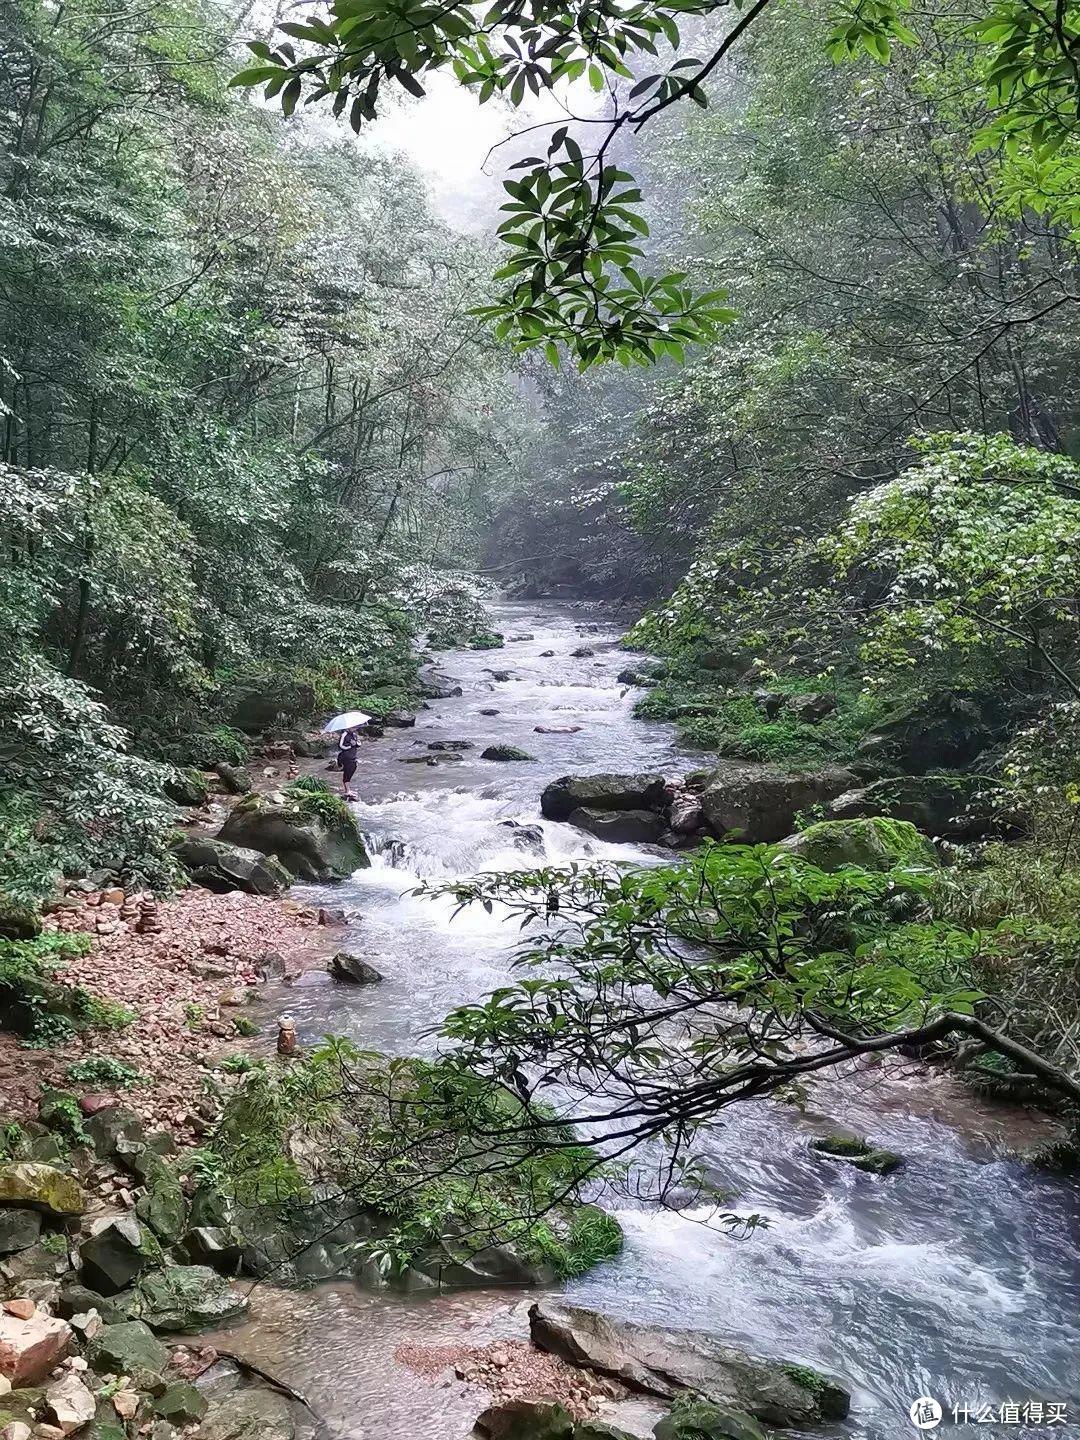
{"x": 957, "y": 1277}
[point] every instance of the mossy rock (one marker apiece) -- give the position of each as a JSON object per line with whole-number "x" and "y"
{"x": 858, "y": 1153}
{"x": 187, "y": 787}
{"x": 505, "y": 752}
{"x": 702, "y": 1420}
{"x": 128, "y": 1348}
{"x": 186, "y": 1298}
{"x": 875, "y": 843}
{"x": 314, "y": 835}
{"x": 41, "y": 1187}
{"x": 19, "y": 920}
{"x": 181, "y": 1404}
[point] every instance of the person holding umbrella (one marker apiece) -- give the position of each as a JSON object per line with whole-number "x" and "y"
{"x": 347, "y": 729}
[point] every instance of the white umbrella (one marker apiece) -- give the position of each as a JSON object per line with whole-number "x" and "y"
{"x": 348, "y": 721}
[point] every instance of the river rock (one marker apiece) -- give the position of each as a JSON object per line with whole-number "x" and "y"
{"x": 181, "y": 1404}
{"x": 438, "y": 687}
{"x": 30, "y": 1349}
{"x": 128, "y": 1348}
{"x": 620, "y": 827}
{"x": 873, "y": 844}
{"x": 69, "y": 1404}
{"x": 851, "y": 1150}
{"x": 354, "y": 969}
{"x": 399, "y": 720}
{"x": 114, "y": 1255}
{"x": 221, "y": 867}
{"x": 526, "y": 1420}
{"x": 451, "y": 745}
{"x": 186, "y": 1298}
{"x": 685, "y": 813}
{"x": 28, "y": 1184}
{"x": 505, "y": 752}
{"x": 256, "y": 705}
{"x": 758, "y": 805}
{"x": 659, "y": 1361}
{"x": 19, "y": 1229}
{"x": 602, "y": 792}
{"x": 701, "y": 1420}
{"x": 947, "y": 805}
{"x": 310, "y": 847}
{"x": 253, "y": 1413}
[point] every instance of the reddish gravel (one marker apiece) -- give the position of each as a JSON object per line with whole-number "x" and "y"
{"x": 186, "y": 983}
{"x": 512, "y": 1370}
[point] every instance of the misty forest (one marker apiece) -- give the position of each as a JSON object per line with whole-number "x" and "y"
{"x": 539, "y": 719}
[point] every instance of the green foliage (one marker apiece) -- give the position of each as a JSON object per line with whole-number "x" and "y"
{"x": 98, "y": 1070}
{"x": 221, "y": 743}
{"x": 314, "y": 799}
{"x": 575, "y": 1244}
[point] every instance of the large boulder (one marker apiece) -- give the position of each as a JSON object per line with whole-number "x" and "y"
{"x": 19, "y": 1229}
{"x": 27, "y": 1184}
{"x": 218, "y": 866}
{"x": 253, "y": 1413}
{"x": 353, "y": 968}
{"x": 758, "y": 804}
{"x": 313, "y": 839}
{"x": 873, "y": 844}
{"x": 115, "y": 1255}
{"x": 186, "y": 1298}
{"x": 526, "y": 1420}
{"x": 669, "y": 1363}
{"x": 19, "y": 920}
{"x": 701, "y": 1420}
{"x": 128, "y": 1348}
{"x": 31, "y": 1349}
{"x": 602, "y": 792}
{"x": 620, "y": 827}
{"x": 254, "y": 705}
{"x": 940, "y": 732}
{"x": 853, "y": 1150}
{"x": 949, "y": 806}
{"x": 505, "y": 752}
{"x": 313, "y": 835}
{"x": 811, "y": 709}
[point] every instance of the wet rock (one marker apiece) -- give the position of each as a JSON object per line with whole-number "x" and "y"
{"x": 128, "y": 1348}
{"x": 19, "y": 1229}
{"x": 526, "y": 1420}
{"x": 216, "y": 1246}
{"x": 874, "y": 844}
{"x": 490, "y": 712}
{"x": 438, "y": 687}
{"x": 181, "y": 1404}
{"x": 30, "y": 1349}
{"x": 811, "y": 709}
{"x": 186, "y": 1298}
{"x": 505, "y": 752}
{"x": 234, "y": 778}
{"x": 700, "y": 1420}
{"x": 500, "y": 675}
{"x": 221, "y": 867}
{"x": 309, "y": 846}
{"x": 950, "y": 806}
{"x": 851, "y": 1150}
{"x": 398, "y": 720}
{"x": 685, "y": 813}
{"x": 758, "y": 804}
{"x": 451, "y": 745}
{"x": 78, "y": 1299}
{"x": 28, "y": 1184}
{"x": 352, "y": 968}
{"x": 115, "y": 1255}
{"x": 525, "y": 837}
{"x": 659, "y": 1361}
{"x": 602, "y": 792}
{"x": 582, "y": 652}
{"x": 556, "y": 729}
{"x": 253, "y": 1413}
{"x": 620, "y": 827}
{"x": 69, "y": 1404}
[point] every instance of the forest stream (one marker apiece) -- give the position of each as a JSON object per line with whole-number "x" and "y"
{"x": 957, "y": 1277}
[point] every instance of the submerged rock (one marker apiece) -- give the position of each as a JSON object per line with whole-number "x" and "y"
{"x": 851, "y": 1150}
{"x": 620, "y": 827}
{"x": 251, "y": 1413}
{"x": 299, "y": 834}
{"x": 221, "y": 867}
{"x": 664, "y": 1362}
{"x": 873, "y": 844}
{"x": 602, "y": 792}
{"x": 505, "y": 752}
{"x": 758, "y": 804}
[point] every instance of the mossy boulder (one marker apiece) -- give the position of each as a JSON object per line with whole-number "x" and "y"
{"x": 950, "y": 805}
{"x": 181, "y": 1404}
{"x": 526, "y": 1420}
{"x": 257, "y": 703}
{"x": 505, "y": 752}
{"x": 701, "y": 1420}
{"x": 162, "y": 1207}
{"x": 872, "y": 844}
{"x": 221, "y": 867}
{"x": 26, "y": 1183}
{"x": 851, "y": 1150}
{"x": 314, "y": 835}
{"x": 128, "y": 1348}
{"x": 185, "y": 1298}
{"x": 187, "y": 787}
